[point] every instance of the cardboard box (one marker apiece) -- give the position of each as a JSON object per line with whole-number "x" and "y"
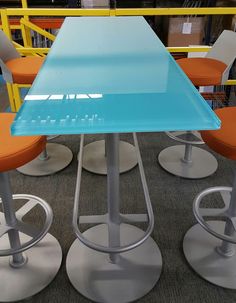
{"x": 184, "y": 31}
{"x": 95, "y": 3}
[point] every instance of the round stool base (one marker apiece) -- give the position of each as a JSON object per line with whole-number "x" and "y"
{"x": 200, "y": 251}
{"x": 94, "y": 276}
{"x": 94, "y": 159}
{"x": 44, "y": 261}
{"x": 59, "y": 157}
{"x": 203, "y": 163}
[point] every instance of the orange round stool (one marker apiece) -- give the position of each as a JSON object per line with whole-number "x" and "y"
{"x": 24, "y": 274}
{"x": 203, "y": 71}
{"x": 186, "y": 160}
{"x": 24, "y": 69}
{"x": 209, "y": 246}
{"x": 19, "y": 70}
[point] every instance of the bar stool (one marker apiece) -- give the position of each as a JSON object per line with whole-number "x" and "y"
{"x": 35, "y": 255}
{"x": 209, "y": 246}
{"x": 186, "y": 160}
{"x": 18, "y": 71}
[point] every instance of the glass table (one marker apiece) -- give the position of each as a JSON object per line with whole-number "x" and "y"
{"x": 111, "y": 75}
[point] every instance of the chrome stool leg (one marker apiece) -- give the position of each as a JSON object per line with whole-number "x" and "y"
{"x": 54, "y": 158}
{"x": 35, "y": 255}
{"x": 186, "y": 160}
{"x": 209, "y": 246}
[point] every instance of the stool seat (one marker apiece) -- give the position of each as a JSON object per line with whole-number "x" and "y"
{"x": 203, "y": 71}
{"x": 16, "y": 151}
{"x": 24, "y": 69}
{"x": 223, "y": 141}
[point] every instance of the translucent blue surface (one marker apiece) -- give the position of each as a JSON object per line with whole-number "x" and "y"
{"x": 110, "y": 74}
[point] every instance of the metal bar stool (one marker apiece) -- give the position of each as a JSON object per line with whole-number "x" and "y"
{"x": 186, "y": 160}
{"x": 209, "y": 246}
{"x": 35, "y": 255}
{"x": 19, "y": 70}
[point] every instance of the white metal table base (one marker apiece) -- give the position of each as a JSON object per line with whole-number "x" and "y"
{"x": 43, "y": 262}
{"x": 113, "y": 262}
{"x": 55, "y": 158}
{"x": 94, "y": 275}
{"x": 200, "y": 249}
{"x": 201, "y": 165}
{"x": 95, "y": 161}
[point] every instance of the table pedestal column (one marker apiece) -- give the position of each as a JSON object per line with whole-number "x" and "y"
{"x": 113, "y": 277}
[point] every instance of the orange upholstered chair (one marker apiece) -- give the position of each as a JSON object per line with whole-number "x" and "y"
{"x": 16, "y": 70}
{"x": 209, "y": 246}
{"x": 23, "y": 274}
{"x": 214, "y": 68}
{"x": 19, "y": 71}
{"x": 203, "y": 71}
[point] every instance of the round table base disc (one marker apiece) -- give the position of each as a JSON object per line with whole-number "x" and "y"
{"x": 44, "y": 261}
{"x": 203, "y": 163}
{"x": 94, "y": 159}
{"x": 60, "y": 156}
{"x": 133, "y": 276}
{"x": 200, "y": 251}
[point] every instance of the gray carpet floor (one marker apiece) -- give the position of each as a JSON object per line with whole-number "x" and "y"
{"x": 171, "y": 198}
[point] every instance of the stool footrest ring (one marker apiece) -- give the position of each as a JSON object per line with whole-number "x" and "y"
{"x": 224, "y": 212}
{"x": 23, "y": 227}
{"x": 176, "y": 135}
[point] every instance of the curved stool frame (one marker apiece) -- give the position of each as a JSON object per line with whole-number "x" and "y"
{"x": 227, "y": 212}
{"x": 22, "y": 227}
{"x": 98, "y": 276}
{"x": 25, "y": 275}
{"x": 186, "y": 160}
{"x": 210, "y": 245}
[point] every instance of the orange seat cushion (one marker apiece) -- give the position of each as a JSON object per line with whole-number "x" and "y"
{"x": 203, "y": 71}
{"x": 223, "y": 141}
{"x": 17, "y": 151}
{"x": 24, "y": 69}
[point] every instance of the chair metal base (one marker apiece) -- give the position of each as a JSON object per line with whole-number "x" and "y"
{"x": 200, "y": 251}
{"x": 94, "y": 159}
{"x": 97, "y": 278}
{"x": 59, "y": 157}
{"x": 44, "y": 261}
{"x": 203, "y": 163}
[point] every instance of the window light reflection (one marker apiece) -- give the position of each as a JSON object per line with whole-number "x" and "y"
{"x": 36, "y": 97}
{"x": 56, "y": 97}
{"x": 62, "y": 97}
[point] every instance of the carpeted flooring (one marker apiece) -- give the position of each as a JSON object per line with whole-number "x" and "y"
{"x": 171, "y": 198}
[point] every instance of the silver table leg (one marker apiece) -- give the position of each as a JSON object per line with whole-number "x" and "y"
{"x": 114, "y": 277}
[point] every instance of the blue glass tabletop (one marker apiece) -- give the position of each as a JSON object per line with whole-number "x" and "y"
{"x": 111, "y": 74}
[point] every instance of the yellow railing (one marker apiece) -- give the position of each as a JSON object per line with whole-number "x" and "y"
{"x": 26, "y": 25}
